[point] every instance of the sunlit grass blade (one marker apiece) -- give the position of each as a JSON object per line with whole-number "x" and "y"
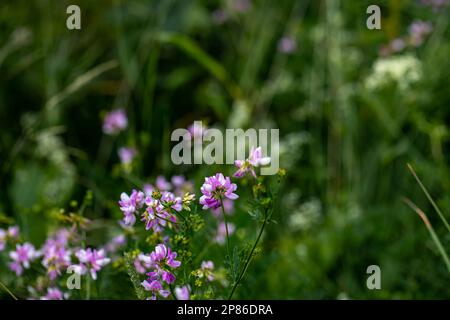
{"x": 429, "y": 197}
{"x": 433, "y": 234}
{"x": 8, "y": 291}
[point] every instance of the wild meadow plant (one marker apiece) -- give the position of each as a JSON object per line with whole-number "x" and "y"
{"x": 155, "y": 246}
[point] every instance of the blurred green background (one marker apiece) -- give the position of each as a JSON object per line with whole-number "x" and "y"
{"x": 347, "y": 126}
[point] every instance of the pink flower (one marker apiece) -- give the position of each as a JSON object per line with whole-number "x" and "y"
{"x": 156, "y": 288}
{"x": 154, "y": 217}
{"x": 115, "y": 121}
{"x": 228, "y": 205}
{"x": 216, "y": 188}
{"x": 116, "y": 243}
{"x": 162, "y": 184}
{"x": 22, "y": 257}
{"x": 129, "y": 205}
{"x": 2, "y": 239}
{"x": 159, "y": 260}
{"x": 11, "y": 234}
{"x": 91, "y": 260}
{"x": 207, "y": 268}
{"x": 163, "y": 255}
{"x": 168, "y": 200}
{"x": 182, "y": 293}
{"x": 254, "y": 160}
{"x": 287, "y": 45}
{"x": 56, "y": 257}
{"x": 222, "y": 232}
{"x": 54, "y": 294}
{"x": 142, "y": 263}
{"x": 418, "y": 30}
{"x": 127, "y": 155}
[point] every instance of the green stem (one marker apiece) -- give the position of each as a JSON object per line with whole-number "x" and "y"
{"x": 249, "y": 258}
{"x": 226, "y": 227}
{"x": 88, "y": 289}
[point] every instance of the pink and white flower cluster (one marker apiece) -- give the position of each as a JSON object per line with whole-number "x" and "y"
{"x": 254, "y": 160}
{"x": 91, "y": 260}
{"x": 161, "y": 205}
{"x": 161, "y": 261}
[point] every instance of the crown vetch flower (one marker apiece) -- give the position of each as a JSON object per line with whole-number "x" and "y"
{"x": 155, "y": 287}
{"x": 159, "y": 260}
{"x": 91, "y": 260}
{"x": 222, "y": 232}
{"x": 182, "y": 293}
{"x": 55, "y": 257}
{"x": 12, "y": 233}
{"x": 254, "y": 160}
{"x": 129, "y": 205}
{"x": 115, "y": 121}
{"x": 54, "y": 294}
{"x": 22, "y": 256}
{"x": 2, "y": 239}
{"x": 126, "y": 155}
{"x": 214, "y": 189}
{"x": 207, "y": 268}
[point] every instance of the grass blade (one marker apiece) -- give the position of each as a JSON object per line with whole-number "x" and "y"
{"x": 429, "y": 197}
{"x": 433, "y": 234}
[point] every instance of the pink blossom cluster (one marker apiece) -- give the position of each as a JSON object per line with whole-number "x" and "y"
{"x": 161, "y": 261}
{"x": 159, "y": 204}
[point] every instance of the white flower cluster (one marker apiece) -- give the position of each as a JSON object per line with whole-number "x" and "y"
{"x": 403, "y": 70}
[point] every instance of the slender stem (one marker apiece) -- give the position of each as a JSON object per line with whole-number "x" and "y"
{"x": 249, "y": 258}
{"x": 429, "y": 197}
{"x": 88, "y": 291}
{"x": 226, "y": 227}
{"x": 430, "y": 228}
{"x": 9, "y": 291}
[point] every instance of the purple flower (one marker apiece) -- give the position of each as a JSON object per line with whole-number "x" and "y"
{"x": 12, "y": 233}
{"x": 162, "y": 184}
{"x": 129, "y": 205}
{"x": 168, "y": 200}
{"x": 148, "y": 189}
{"x": 159, "y": 260}
{"x": 207, "y": 268}
{"x": 222, "y": 232}
{"x": 55, "y": 257}
{"x": 54, "y": 294}
{"x": 142, "y": 263}
{"x": 115, "y": 121}
{"x": 22, "y": 257}
{"x": 156, "y": 288}
{"x": 116, "y": 243}
{"x": 91, "y": 260}
{"x": 287, "y": 45}
{"x": 214, "y": 189}
{"x": 127, "y": 155}
{"x": 418, "y": 30}
{"x": 164, "y": 256}
{"x": 397, "y": 45}
{"x": 182, "y": 293}
{"x": 228, "y": 205}
{"x": 154, "y": 217}
{"x": 255, "y": 160}
{"x": 2, "y": 239}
